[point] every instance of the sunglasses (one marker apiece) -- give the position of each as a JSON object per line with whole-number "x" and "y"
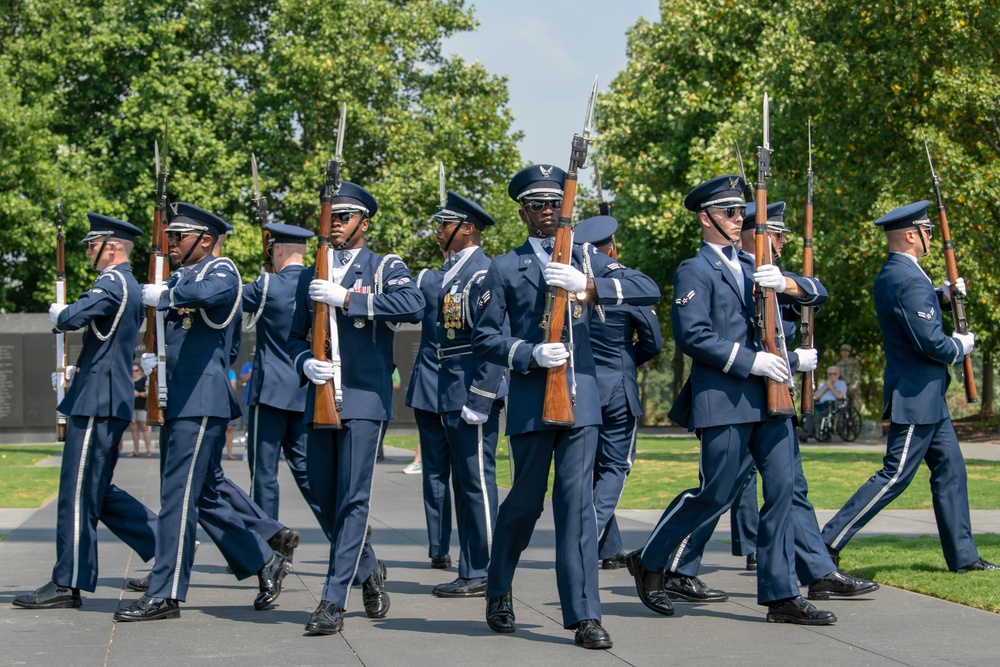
{"x": 538, "y": 205}
{"x": 732, "y": 211}
{"x": 175, "y": 237}
{"x": 344, "y": 216}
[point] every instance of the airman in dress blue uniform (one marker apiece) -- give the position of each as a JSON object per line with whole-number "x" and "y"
{"x": 514, "y": 296}
{"x": 813, "y": 564}
{"x": 623, "y": 339}
{"x": 99, "y": 403}
{"x": 368, "y": 295}
{"x": 712, "y": 317}
{"x": 277, "y": 400}
{"x": 457, "y": 400}
{"x": 918, "y": 354}
{"x": 201, "y": 300}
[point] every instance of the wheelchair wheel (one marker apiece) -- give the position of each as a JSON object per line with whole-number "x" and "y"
{"x": 824, "y": 429}
{"x": 849, "y": 424}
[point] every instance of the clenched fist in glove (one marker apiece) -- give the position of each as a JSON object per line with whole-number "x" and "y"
{"x": 550, "y": 355}
{"x": 808, "y": 360}
{"x": 958, "y": 288}
{"x": 54, "y": 311}
{"x": 148, "y": 363}
{"x": 967, "y": 340}
{"x": 470, "y": 416}
{"x": 70, "y": 374}
{"x": 563, "y": 275}
{"x": 769, "y": 276}
{"x": 770, "y": 365}
{"x": 327, "y": 292}
{"x": 318, "y": 372}
{"x": 151, "y": 294}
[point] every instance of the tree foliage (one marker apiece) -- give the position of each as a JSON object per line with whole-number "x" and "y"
{"x": 873, "y": 79}
{"x": 96, "y": 82}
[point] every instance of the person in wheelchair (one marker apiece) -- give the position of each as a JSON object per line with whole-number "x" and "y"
{"x": 829, "y": 396}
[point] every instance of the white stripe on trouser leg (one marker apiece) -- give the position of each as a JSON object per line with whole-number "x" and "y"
{"x": 184, "y": 510}
{"x": 485, "y": 491}
{"x": 662, "y": 522}
{"x": 361, "y": 550}
{"x": 882, "y": 492}
{"x": 80, "y": 471}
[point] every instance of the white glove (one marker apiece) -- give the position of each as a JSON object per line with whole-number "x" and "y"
{"x": 470, "y": 416}
{"x": 151, "y": 294}
{"x": 769, "y": 365}
{"x": 70, "y": 374}
{"x": 318, "y": 371}
{"x": 967, "y": 340}
{"x": 769, "y": 276}
{"x": 148, "y": 363}
{"x": 959, "y": 286}
{"x": 327, "y": 292}
{"x": 54, "y": 311}
{"x": 563, "y": 275}
{"x": 808, "y": 359}
{"x": 550, "y": 355}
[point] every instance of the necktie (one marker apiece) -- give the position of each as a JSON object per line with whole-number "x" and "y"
{"x": 548, "y": 243}
{"x": 345, "y": 257}
{"x": 729, "y": 251}
{"x": 450, "y": 262}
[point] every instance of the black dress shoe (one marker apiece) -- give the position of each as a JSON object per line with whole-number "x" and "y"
{"x": 373, "y": 592}
{"x": 139, "y": 585}
{"x": 49, "y": 596}
{"x": 752, "y": 562}
{"x": 462, "y": 588}
{"x": 441, "y": 562}
{"x": 284, "y": 542}
{"x": 840, "y": 584}
{"x": 500, "y": 613}
{"x": 590, "y": 634}
{"x": 328, "y": 619}
{"x": 798, "y": 610}
{"x": 149, "y": 609}
{"x": 616, "y": 562}
{"x": 692, "y": 589}
{"x": 649, "y": 585}
{"x": 834, "y": 556}
{"x": 269, "y": 581}
{"x": 978, "y": 565}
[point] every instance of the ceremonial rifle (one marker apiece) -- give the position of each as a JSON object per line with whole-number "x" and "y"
{"x": 779, "y": 397}
{"x": 260, "y": 204}
{"x": 559, "y": 399}
{"x": 808, "y": 378}
{"x": 325, "y": 411}
{"x": 951, "y": 269}
{"x": 156, "y": 383}
{"x": 61, "y": 338}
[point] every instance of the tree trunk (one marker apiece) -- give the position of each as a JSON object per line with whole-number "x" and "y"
{"x": 986, "y": 405}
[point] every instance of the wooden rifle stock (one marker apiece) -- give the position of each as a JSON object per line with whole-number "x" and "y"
{"x": 957, "y": 300}
{"x": 558, "y": 404}
{"x": 325, "y": 413}
{"x": 61, "y": 338}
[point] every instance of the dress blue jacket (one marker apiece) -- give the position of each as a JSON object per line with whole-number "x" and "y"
{"x": 112, "y": 312}
{"x": 446, "y": 375}
{"x": 364, "y": 332}
{"x": 917, "y": 350}
{"x": 274, "y": 381}
{"x": 513, "y": 294}
{"x": 629, "y": 337}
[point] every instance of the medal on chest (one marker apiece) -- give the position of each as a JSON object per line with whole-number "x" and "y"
{"x": 186, "y": 322}
{"x": 451, "y": 308}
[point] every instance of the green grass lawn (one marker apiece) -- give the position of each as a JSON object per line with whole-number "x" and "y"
{"x": 21, "y": 483}
{"x": 666, "y": 466}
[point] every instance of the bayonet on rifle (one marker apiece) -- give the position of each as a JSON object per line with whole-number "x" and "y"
{"x": 442, "y": 192}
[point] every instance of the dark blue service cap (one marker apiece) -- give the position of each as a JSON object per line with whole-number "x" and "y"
{"x": 597, "y": 230}
{"x": 457, "y": 207}
{"x": 721, "y": 191}
{"x": 281, "y": 233}
{"x": 910, "y": 215}
{"x": 103, "y": 226}
{"x": 539, "y": 181}
{"x": 353, "y": 197}
{"x": 191, "y": 218}
{"x": 775, "y": 217}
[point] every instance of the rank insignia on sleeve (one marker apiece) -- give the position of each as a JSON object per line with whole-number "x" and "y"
{"x": 220, "y": 275}
{"x": 927, "y": 316}
{"x": 615, "y": 266}
{"x": 399, "y": 281}
{"x": 684, "y": 300}
{"x": 484, "y": 298}
{"x": 97, "y": 290}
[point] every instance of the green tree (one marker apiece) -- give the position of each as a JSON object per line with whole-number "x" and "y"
{"x": 872, "y": 79}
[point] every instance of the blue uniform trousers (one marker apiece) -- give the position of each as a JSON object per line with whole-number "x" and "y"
{"x": 270, "y": 432}
{"x": 907, "y": 446}
{"x": 812, "y": 560}
{"x": 87, "y": 495}
{"x": 532, "y": 454}
{"x": 448, "y": 443}
{"x": 615, "y": 455}
{"x": 744, "y": 518}
{"x": 723, "y": 469}
{"x": 188, "y": 494}
{"x": 341, "y": 466}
